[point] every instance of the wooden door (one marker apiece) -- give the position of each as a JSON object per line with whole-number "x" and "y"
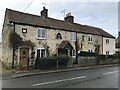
{"x": 24, "y": 56}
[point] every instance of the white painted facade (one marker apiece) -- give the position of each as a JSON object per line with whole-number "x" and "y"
{"x": 108, "y": 45}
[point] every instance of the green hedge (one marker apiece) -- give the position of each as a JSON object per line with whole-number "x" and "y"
{"x": 48, "y": 62}
{"x": 114, "y": 56}
{"x": 84, "y": 53}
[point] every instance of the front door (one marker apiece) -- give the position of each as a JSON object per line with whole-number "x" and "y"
{"x": 24, "y": 56}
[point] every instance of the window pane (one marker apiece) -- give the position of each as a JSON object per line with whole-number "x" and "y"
{"x": 72, "y": 36}
{"x": 38, "y": 53}
{"x": 106, "y": 40}
{"x": 91, "y": 38}
{"x": 107, "y": 52}
{"x": 42, "y": 52}
{"x": 43, "y": 33}
{"x": 91, "y": 50}
{"x": 73, "y": 53}
{"x": 39, "y": 32}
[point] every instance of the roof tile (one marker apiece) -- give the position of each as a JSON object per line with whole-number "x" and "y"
{"x": 25, "y": 18}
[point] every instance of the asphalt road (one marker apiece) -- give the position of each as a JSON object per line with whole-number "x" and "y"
{"x": 90, "y": 78}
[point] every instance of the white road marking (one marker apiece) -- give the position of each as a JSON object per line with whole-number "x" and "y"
{"x": 58, "y": 81}
{"x": 110, "y": 72}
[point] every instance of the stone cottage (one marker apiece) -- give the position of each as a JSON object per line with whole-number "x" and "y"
{"x": 50, "y": 37}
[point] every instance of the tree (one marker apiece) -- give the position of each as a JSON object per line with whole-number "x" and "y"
{"x": 15, "y": 40}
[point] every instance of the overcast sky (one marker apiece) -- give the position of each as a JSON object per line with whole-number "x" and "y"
{"x": 88, "y": 12}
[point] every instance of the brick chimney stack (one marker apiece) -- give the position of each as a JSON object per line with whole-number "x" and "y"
{"x": 44, "y": 12}
{"x": 69, "y": 18}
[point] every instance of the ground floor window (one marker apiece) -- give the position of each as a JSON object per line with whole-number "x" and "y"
{"x": 107, "y": 52}
{"x": 41, "y": 52}
{"x": 90, "y": 50}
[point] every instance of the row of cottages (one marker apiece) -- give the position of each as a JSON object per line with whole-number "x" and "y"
{"x": 51, "y": 36}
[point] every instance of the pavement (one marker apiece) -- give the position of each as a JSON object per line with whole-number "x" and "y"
{"x": 25, "y": 73}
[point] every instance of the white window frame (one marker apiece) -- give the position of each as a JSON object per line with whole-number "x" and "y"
{"x": 107, "y": 52}
{"x": 73, "y": 53}
{"x": 40, "y": 33}
{"x": 72, "y": 36}
{"x": 90, "y": 36}
{"x": 40, "y": 51}
{"x": 107, "y": 41}
{"x": 90, "y": 50}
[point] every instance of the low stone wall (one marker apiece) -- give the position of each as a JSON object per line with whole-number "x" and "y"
{"x": 108, "y": 61}
{"x": 87, "y": 61}
{"x": 90, "y": 61}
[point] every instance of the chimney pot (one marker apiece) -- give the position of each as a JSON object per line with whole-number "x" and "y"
{"x": 69, "y": 18}
{"x": 44, "y": 8}
{"x": 44, "y": 12}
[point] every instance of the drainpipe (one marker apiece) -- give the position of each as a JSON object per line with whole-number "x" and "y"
{"x": 13, "y": 48}
{"x": 76, "y": 49}
{"x": 102, "y": 45}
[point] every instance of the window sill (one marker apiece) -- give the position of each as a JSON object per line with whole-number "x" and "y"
{"x": 72, "y": 40}
{"x": 90, "y": 42}
{"x": 82, "y": 40}
{"x": 41, "y": 38}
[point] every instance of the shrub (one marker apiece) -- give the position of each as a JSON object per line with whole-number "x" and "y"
{"x": 110, "y": 59}
{"x": 48, "y": 62}
{"x": 20, "y": 67}
{"x": 15, "y": 40}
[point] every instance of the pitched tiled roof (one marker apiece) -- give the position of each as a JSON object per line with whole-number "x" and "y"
{"x": 65, "y": 44}
{"x": 35, "y": 20}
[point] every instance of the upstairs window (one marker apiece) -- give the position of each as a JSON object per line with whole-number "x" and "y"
{"x": 73, "y": 36}
{"x": 58, "y": 36}
{"x": 41, "y": 33}
{"x": 90, "y": 38}
{"x": 107, "y": 41}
